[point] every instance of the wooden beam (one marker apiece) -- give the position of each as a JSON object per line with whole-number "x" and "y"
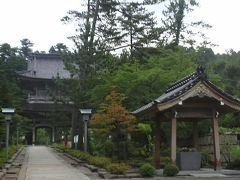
{"x": 199, "y": 105}
{"x": 194, "y": 113}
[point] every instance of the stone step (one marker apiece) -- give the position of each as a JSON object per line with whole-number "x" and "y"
{"x": 13, "y": 171}
{"x": 10, "y": 177}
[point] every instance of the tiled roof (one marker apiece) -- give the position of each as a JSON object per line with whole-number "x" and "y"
{"x": 45, "y": 66}
{"x": 180, "y": 87}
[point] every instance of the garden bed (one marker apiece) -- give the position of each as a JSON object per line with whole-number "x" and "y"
{"x": 101, "y": 165}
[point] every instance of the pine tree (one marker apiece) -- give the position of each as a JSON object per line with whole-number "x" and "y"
{"x": 137, "y": 25}
{"x": 176, "y": 29}
{"x": 26, "y": 47}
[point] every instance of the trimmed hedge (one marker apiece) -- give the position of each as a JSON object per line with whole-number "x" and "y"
{"x": 170, "y": 170}
{"x": 100, "y": 161}
{"x": 117, "y": 168}
{"x": 147, "y": 170}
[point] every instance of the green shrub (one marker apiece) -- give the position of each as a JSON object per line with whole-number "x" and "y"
{"x": 100, "y": 161}
{"x": 103, "y": 162}
{"x": 235, "y": 159}
{"x": 79, "y": 154}
{"x": 206, "y": 158}
{"x": 117, "y": 168}
{"x": 60, "y": 147}
{"x": 170, "y": 170}
{"x": 165, "y": 159}
{"x": 235, "y": 153}
{"x": 147, "y": 170}
{"x": 12, "y": 151}
{"x": 136, "y": 162}
{"x": 234, "y": 165}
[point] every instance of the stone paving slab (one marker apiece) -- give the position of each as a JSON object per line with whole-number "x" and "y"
{"x": 205, "y": 172}
{"x": 201, "y": 175}
{"x": 10, "y": 177}
{"x": 13, "y": 170}
{"x": 43, "y": 164}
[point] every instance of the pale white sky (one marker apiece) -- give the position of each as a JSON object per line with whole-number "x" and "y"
{"x": 39, "y": 21}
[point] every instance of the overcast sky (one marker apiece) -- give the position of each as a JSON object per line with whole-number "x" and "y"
{"x": 39, "y": 21}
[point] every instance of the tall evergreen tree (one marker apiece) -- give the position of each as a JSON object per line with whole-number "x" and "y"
{"x": 26, "y": 47}
{"x": 137, "y": 25}
{"x": 176, "y": 28}
{"x": 58, "y": 48}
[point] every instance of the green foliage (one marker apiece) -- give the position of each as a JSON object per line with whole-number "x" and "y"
{"x": 103, "y": 162}
{"x": 114, "y": 120}
{"x": 223, "y": 130}
{"x": 79, "y": 154}
{"x": 117, "y": 168}
{"x": 42, "y": 136}
{"x": 100, "y": 161}
{"x": 176, "y": 28}
{"x": 235, "y": 153}
{"x": 60, "y": 147}
{"x": 235, "y": 158}
{"x": 147, "y": 144}
{"x": 144, "y": 82}
{"x": 165, "y": 159}
{"x": 147, "y": 170}
{"x": 170, "y": 170}
{"x": 10, "y": 93}
{"x": 12, "y": 151}
{"x": 25, "y": 48}
{"x": 206, "y": 158}
{"x": 10, "y": 62}
{"x": 234, "y": 165}
{"x": 136, "y": 162}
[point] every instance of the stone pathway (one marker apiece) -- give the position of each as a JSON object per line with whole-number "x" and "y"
{"x": 43, "y": 164}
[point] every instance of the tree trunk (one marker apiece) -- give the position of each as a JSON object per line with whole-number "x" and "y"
{"x": 94, "y": 24}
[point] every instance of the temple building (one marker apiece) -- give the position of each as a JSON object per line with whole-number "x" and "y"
{"x": 37, "y": 82}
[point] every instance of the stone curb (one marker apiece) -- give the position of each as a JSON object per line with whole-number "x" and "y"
{"x": 10, "y": 168}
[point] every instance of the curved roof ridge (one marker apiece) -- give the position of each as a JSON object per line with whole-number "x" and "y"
{"x": 180, "y": 82}
{"x": 222, "y": 91}
{"x": 198, "y": 74}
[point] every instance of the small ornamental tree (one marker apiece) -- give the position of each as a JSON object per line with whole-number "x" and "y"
{"x": 115, "y": 121}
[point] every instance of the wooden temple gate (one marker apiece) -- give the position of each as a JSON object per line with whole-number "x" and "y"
{"x": 190, "y": 99}
{"x": 37, "y": 82}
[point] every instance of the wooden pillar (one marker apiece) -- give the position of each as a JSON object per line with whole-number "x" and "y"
{"x": 53, "y": 134}
{"x": 33, "y": 135}
{"x": 80, "y": 133}
{"x": 216, "y": 141}
{"x": 157, "y": 142}
{"x": 65, "y": 136}
{"x": 73, "y": 129}
{"x": 174, "y": 140}
{"x": 195, "y": 134}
